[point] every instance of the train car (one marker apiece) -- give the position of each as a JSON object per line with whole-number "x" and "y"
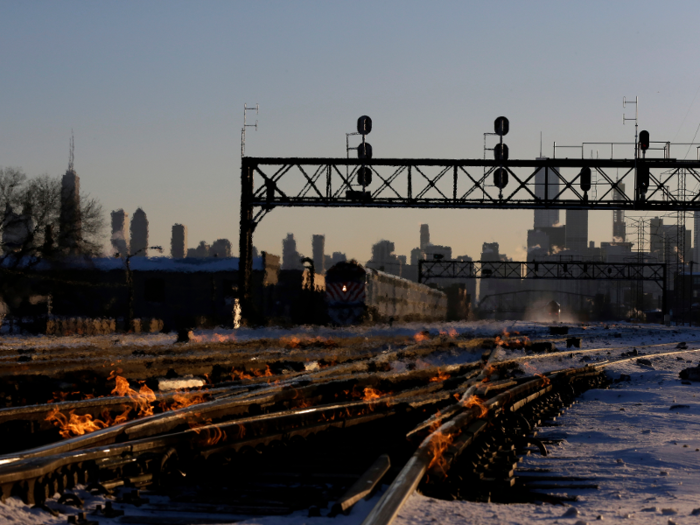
{"x": 355, "y": 294}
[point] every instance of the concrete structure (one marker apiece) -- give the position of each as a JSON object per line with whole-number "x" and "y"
{"x": 178, "y": 241}
{"x": 139, "y": 234}
{"x": 291, "y": 258}
{"x": 220, "y": 248}
{"x": 577, "y": 230}
{"x": 318, "y": 246}
{"x": 70, "y": 224}
{"x": 550, "y": 188}
{"x": 120, "y": 244}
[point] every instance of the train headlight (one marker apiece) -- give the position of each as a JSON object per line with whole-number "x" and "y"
{"x": 345, "y": 288}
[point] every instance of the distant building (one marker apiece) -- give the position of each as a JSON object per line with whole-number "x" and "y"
{"x": 139, "y": 234}
{"x": 619, "y": 227}
{"x": 221, "y": 248}
{"x": 291, "y": 258}
{"x": 70, "y": 222}
{"x": 120, "y": 244}
{"x": 178, "y": 241}
{"x": 424, "y": 236}
{"x": 546, "y": 185}
{"x": 318, "y": 246}
{"x": 435, "y": 251}
{"x": 577, "y": 230}
{"x": 384, "y": 259}
{"x": 202, "y": 250}
{"x": 336, "y": 258}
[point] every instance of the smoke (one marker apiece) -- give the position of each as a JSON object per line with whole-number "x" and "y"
{"x": 618, "y": 239}
{"x": 533, "y": 248}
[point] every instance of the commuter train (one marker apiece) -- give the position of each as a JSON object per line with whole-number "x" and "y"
{"x": 355, "y": 294}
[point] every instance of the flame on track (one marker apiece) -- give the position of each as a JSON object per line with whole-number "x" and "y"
{"x": 442, "y": 376}
{"x": 141, "y": 402}
{"x": 421, "y": 336}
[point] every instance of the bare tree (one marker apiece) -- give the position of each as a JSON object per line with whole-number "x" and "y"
{"x": 30, "y": 209}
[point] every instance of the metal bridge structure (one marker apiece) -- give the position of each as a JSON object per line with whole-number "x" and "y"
{"x": 545, "y": 270}
{"x": 650, "y": 184}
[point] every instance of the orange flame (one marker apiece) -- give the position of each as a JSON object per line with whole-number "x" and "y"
{"x": 440, "y": 377}
{"x": 293, "y": 342}
{"x": 421, "y": 336}
{"x": 474, "y": 401}
{"x": 238, "y": 374}
{"x": 142, "y": 399}
{"x": 371, "y": 394}
{"x": 74, "y": 425}
{"x": 214, "y": 338}
{"x": 211, "y": 434}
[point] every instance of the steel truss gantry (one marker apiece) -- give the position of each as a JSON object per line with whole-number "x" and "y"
{"x": 550, "y": 270}
{"x": 267, "y": 183}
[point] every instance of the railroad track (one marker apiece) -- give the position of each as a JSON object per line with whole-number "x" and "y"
{"x": 317, "y": 439}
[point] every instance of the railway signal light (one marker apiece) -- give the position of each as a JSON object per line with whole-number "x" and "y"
{"x": 585, "y": 178}
{"x": 500, "y": 152}
{"x": 644, "y": 140}
{"x": 364, "y": 176}
{"x": 501, "y": 126}
{"x": 364, "y": 151}
{"x": 642, "y": 179}
{"x": 500, "y": 178}
{"x": 364, "y": 125}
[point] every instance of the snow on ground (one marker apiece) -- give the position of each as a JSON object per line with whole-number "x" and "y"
{"x": 643, "y": 454}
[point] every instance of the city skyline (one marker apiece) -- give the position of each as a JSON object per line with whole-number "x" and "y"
{"x": 156, "y": 101}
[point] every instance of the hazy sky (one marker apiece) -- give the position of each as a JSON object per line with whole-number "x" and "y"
{"x": 154, "y": 92}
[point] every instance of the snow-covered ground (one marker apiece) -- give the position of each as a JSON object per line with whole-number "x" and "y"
{"x": 633, "y": 440}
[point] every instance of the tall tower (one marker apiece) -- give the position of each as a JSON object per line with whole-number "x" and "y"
{"x": 550, "y": 186}
{"x": 70, "y": 224}
{"x": 119, "y": 241}
{"x": 318, "y": 247}
{"x": 424, "y": 236}
{"x": 139, "y": 234}
{"x": 619, "y": 228}
{"x": 577, "y": 230}
{"x": 178, "y": 242}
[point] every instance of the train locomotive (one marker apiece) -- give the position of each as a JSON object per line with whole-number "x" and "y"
{"x": 355, "y": 294}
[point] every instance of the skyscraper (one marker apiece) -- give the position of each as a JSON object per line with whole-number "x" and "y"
{"x": 70, "y": 224}
{"x": 119, "y": 241}
{"x": 139, "y": 234}
{"x": 291, "y": 259}
{"x": 546, "y": 186}
{"x": 178, "y": 241}
{"x": 424, "y": 236}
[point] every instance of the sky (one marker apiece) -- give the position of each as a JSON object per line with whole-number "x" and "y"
{"x": 154, "y": 93}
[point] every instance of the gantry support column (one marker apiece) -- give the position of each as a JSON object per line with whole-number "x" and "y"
{"x": 245, "y": 244}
